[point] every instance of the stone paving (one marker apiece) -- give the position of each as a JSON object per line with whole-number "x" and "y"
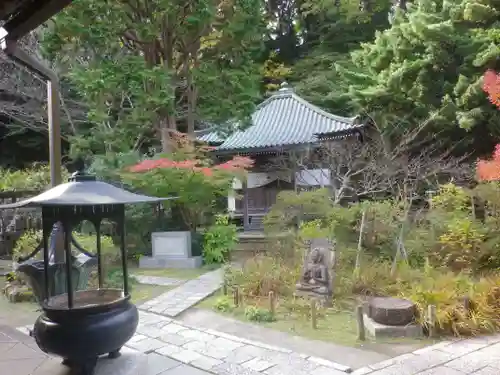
{"x": 158, "y": 280}
{"x": 19, "y": 355}
{"x": 223, "y": 354}
{"x": 186, "y": 295}
{"x": 478, "y": 356}
{"x": 219, "y": 353}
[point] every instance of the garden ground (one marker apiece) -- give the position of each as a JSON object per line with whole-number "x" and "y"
{"x": 188, "y": 345}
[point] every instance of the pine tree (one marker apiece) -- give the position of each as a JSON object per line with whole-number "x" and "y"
{"x": 428, "y": 67}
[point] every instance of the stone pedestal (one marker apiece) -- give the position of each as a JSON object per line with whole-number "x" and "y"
{"x": 377, "y": 330}
{"x": 171, "y": 250}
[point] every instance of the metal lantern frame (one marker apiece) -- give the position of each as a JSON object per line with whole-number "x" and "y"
{"x": 106, "y": 317}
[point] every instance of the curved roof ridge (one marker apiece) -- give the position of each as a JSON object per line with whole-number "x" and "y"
{"x": 321, "y": 111}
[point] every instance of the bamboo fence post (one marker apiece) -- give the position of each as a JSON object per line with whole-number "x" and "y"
{"x": 236, "y": 296}
{"x": 361, "y": 322}
{"x": 360, "y": 244}
{"x": 431, "y": 320}
{"x": 473, "y": 206}
{"x": 272, "y": 303}
{"x": 314, "y": 317}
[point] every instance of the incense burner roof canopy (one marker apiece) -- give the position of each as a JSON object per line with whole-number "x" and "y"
{"x": 84, "y": 190}
{"x": 284, "y": 119}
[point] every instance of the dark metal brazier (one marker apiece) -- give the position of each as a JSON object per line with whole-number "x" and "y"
{"x": 82, "y": 325}
{"x": 102, "y": 324}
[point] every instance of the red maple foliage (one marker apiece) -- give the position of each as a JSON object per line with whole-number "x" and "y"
{"x": 489, "y": 170}
{"x": 491, "y": 85}
{"x": 238, "y": 163}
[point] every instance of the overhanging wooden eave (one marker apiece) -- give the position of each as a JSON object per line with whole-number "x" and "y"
{"x": 22, "y": 16}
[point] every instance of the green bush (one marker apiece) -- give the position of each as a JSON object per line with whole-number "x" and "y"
{"x": 224, "y": 304}
{"x": 219, "y": 240}
{"x": 262, "y": 274}
{"x": 27, "y": 243}
{"x": 256, "y": 314}
{"x": 30, "y": 239}
{"x": 34, "y": 178}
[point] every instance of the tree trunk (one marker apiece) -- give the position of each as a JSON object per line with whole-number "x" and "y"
{"x": 167, "y": 126}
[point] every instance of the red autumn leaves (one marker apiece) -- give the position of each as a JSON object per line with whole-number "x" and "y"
{"x": 238, "y": 163}
{"x": 491, "y": 85}
{"x": 489, "y": 170}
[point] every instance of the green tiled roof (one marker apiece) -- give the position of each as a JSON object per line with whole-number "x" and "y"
{"x": 208, "y": 136}
{"x": 286, "y": 119}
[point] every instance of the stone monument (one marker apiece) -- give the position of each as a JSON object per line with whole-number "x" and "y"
{"x": 317, "y": 274}
{"x": 171, "y": 250}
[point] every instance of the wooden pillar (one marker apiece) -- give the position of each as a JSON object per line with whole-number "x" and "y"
{"x": 246, "y": 221}
{"x": 54, "y": 122}
{"x": 12, "y": 49}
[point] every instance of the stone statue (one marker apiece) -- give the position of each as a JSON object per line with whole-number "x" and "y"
{"x": 315, "y": 276}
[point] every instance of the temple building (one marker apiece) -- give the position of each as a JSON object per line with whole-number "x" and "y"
{"x": 282, "y": 124}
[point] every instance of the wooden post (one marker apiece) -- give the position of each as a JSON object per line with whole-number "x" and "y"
{"x": 272, "y": 303}
{"x": 431, "y": 320}
{"x": 473, "y": 206}
{"x": 54, "y": 122}
{"x": 314, "y": 317}
{"x": 224, "y": 288}
{"x": 236, "y": 296}
{"x": 246, "y": 221}
{"x": 361, "y": 323}
{"x": 360, "y": 244}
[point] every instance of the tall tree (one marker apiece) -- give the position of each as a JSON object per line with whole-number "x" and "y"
{"x": 151, "y": 67}
{"x": 333, "y": 29}
{"x": 428, "y": 66}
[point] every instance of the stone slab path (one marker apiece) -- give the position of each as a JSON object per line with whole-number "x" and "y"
{"x": 223, "y": 354}
{"x": 220, "y": 353}
{"x": 477, "y": 356}
{"x": 158, "y": 280}
{"x": 174, "y": 302}
{"x": 20, "y": 355}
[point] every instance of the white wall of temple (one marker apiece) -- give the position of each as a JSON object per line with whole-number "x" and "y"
{"x": 313, "y": 177}
{"x": 306, "y": 177}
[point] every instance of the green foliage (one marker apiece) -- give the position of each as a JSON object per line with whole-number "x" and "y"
{"x": 145, "y": 71}
{"x": 219, "y": 240}
{"x": 428, "y": 66}
{"x": 30, "y": 239}
{"x": 292, "y": 207}
{"x": 224, "y": 304}
{"x": 196, "y": 194}
{"x": 263, "y": 274}
{"x": 26, "y": 244}
{"x": 114, "y": 279}
{"x": 34, "y": 178}
{"x": 256, "y": 314}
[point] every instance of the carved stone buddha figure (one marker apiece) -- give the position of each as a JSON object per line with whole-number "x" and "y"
{"x": 315, "y": 277}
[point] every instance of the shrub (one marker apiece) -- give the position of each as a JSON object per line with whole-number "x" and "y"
{"x": 34, "y": 178}
{"x": 30, "y": 239}
{"x": 448, "y": 293}
{"x": 114, "y": 279}
{"x": 223, "y": 304}
{"x": 256, "y": 314}
{"x": 219, "y": 240}
{"x": 461, "y": 246}
{"x": 262, "y": 274}
{"x": 27, "y": 243}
